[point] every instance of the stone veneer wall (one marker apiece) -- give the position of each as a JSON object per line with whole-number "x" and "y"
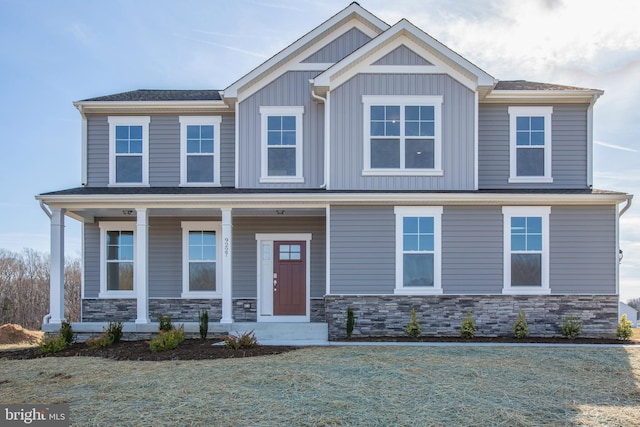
{"x": 124, "y": 310}
{"x": 494, "y": 314}
{"x": 249, "y": 314}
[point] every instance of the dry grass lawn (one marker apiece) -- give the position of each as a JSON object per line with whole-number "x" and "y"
{"x": 336, "y": 386}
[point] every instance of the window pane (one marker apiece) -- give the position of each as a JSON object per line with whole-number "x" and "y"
{"x": 426, "y": 224}
{"x": 393, "y": 113}
{"x": 530, "y": 162}
{"x": 282, "y": 162}
{"x": 122, "y": 145}
{"x": 193, "y": 132}
{"x": 377, "y": 128}
{"x": 377, "y": 112}
{"x": 274, "y": 138}
{"x": 128, "y": 169}
{"x": 206, "y": 132}
{"x": 289, "y": 123}
{"x": 419, "y": 154}
{"x": 126, "y": 252}
{"x": 522, "y": 123}
{"x": 526, "y": 270}
{"x": 417, "y": 270}
{"x": 427, "y": 129}
{"x": 385, "y": 153}
{"x": 393, "y": 128}
{"x": 427, "y": 112}
{"x": 206, "y": 146}
{"x": 195, "y": 238}
{"x": 122, "y": 132}
{"x": 120, "y": 276}
{"x": 537, "y": 123}
{"x": 135, "y": 146}
{"x": 135, "y": 132}
{"x": 193, "y": 145}
{"x": 518, "y": 224}
{"x": 412, "y": 129}
{"x": 289, "y": 138}
{"x": 537, "y": 138}
{"x": 518, "y": 242}
{"x": 202, "y": 276}
{"x": 199, "y": 168}
{"x": 534, "y": 242}
{"x": 534, "y": 224}
{"x": 195, "y": 253}
{"x": 522, "y": 138}
{"x": 209, "y": 238}
{"x": 426, "y": 242}
{"x": 410, "y": 242}
{"x": 412, "y": 113}
{"x": 274, "y": 123}
{"x": 410, "y": 224}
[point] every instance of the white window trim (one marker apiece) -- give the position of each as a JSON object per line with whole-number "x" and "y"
{"x": 214, "y": 121}
{"x": 106, "y": 226}
{"x": 128, "y": 121}
{"x": 514, "y": 113}
{"x": 265, "y": 112}
{"x": 402, "y": 101}
{"x": 188, "y": 226}
{"x": 527, "y": 211}
{"x": 420, "y": 211}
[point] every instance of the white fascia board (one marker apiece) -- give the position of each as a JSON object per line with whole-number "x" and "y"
{"x": 352, "y": 11}
{"x": 542, "y": 96}
{"x": 437, "y": 53}
{"x": 215, "y": 201}
{"x": 140, "y": 106}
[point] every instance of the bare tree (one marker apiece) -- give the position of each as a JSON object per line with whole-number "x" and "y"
{"x": 24, "y": 288}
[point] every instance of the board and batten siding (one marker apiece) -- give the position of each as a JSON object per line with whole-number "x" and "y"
{"x": 245, "y": 250}
{"x": 288, "y": 90}
{"x": 582, "y": 254}
{"x": 402, "y": 55}
{"x": 164, "y": 151}
{"x": 569, "y": 147}
{"x": 347, "y": 139}
{"x": 339, "y": 48}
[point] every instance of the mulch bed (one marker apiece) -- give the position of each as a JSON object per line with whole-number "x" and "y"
{"x": 191, "y": 349}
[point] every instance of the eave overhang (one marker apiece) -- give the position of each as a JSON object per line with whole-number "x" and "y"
{"x": 139, "y": 107}
{"x": 542, "y": 96}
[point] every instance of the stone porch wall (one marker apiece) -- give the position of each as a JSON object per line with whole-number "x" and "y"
{"x": 494, "y": 314}
{"x": 124, "y": 310}
{"x": 250, "y": 313}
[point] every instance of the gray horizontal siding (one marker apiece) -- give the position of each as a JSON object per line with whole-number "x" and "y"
{"x": 362, "y": 250}
{"x": 97, "y": 151}
{"x": 472, "y": 242}
{"x": 291, "y": 89}
{"x": 165, "y": 258}
{"x": 582, "y": 250}
{"x": 164, "y": 151}
{"x": 347, "y": 138}
{"x": 402, "y": 55}
{"x": 245, "y": 247}
{"x": 339, "y": 48}
{"x": 91, "y": 260}
{"x": 569, "y": 147}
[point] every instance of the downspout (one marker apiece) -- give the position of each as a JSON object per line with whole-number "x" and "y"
{"x": 47, "y": 316}
{"x": 619, "y": 251}
{"x": 326, "y": 132}
{"x": 626, "y": 207}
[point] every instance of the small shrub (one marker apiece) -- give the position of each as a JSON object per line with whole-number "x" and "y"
{"x": 52, "y": 345}
{"x": 102, "y": 340}
{"x": 624, "y": 330}
{"x": 204, "y": 324}
{"x": 520, "y": 328}
{"x": 238, "y": 341}
{"x": 165, "y": 323}
{"x": 351, "y": 322}
{"x": 66, "y": 331}
{"x": 468, "y": 327}
{"x": 167, "y": 340}
{"x": 571, "y": 327}
{"x": 413, "y": 329}
{"x": 114, "y": 332}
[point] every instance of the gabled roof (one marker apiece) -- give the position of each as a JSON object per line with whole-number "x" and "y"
{"x": 524, "y": 91}
{"x": 279, "y": 61}
{"x": 404, "y": 31}
{"x": 160, "y": 95}
{"x": 527, "y": 85}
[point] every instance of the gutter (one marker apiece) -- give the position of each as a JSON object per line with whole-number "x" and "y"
{"x": 45, "y": 210}
{"x": 627, "y": 206}
{"x": 318, "y": 98}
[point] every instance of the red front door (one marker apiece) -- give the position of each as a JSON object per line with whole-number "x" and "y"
{"x": 289, "y": 278}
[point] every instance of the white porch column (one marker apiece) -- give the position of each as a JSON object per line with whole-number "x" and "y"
{"x": 56, "y": 283}
{"x": 141, "y": 268}
{"x": 227, "y": 240}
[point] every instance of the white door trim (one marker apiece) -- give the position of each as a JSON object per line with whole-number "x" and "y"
{"x": 264, "y": 276}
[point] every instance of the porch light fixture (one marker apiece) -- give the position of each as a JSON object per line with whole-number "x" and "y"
{"x": 620, "y": 256}
{"x": 127, "y": 212}
{"x": 280, "y": 211}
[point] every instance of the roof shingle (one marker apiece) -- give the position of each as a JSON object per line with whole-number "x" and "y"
{"x": 161, "y": 95}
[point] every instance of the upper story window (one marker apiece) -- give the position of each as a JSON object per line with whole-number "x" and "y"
{"x": 117, "y": 240}
{"x": 526, "y": 250}
{"x": 418, "y": 250}
{"x": 281, "y": 144}
{"x": 200, "y": 150}
{"x": 200, "y": 270}
{"x": 129, "y": 150}
{"x": 402, "y": 135}
{"x": 530, "y": 144}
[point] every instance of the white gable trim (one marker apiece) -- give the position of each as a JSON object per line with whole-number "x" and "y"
{"x": 444, "y": 60}
{"x": 352, "y": 16}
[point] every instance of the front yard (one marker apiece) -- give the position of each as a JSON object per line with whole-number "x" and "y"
{"x": 343, "y": 386}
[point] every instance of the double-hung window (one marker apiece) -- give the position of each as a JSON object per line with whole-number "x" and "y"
{"x": 402, "y": 135}
{"x": 281, "y": 142}
{"x": 117, "y": 240}
{"x": 530, "y": 144}
{"x": 200, "y": 150}
{"x": 526, "y": 250}
{"x": 418, "y": 250}
{"x": 201, "y": 274}
{"x": 129, "y": 150}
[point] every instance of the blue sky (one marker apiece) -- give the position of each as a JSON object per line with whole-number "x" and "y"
{"x": 55, "y": 52}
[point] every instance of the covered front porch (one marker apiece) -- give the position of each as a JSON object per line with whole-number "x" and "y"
{"x": 139, "y": 261}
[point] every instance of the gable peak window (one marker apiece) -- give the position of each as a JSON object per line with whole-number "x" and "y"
{"x": 281, "y": 144}
{"x": 530, "y": 144}
{"x": 129, "y": 150}
{"x": 402, "y": 135}
{"x": 200, "y": 150}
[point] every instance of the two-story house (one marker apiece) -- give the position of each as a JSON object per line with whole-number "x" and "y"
{"x": 365, "y": 166}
